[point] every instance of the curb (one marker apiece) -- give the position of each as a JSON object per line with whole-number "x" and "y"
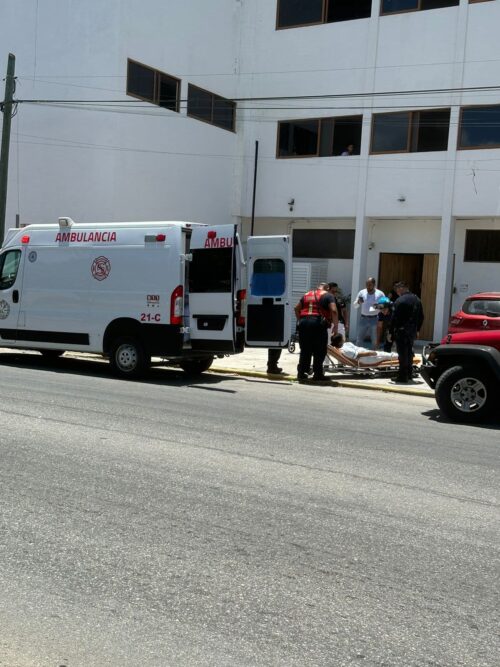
{"x": 351, "y": 384}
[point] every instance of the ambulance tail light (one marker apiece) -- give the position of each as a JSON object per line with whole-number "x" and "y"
{"x": 176, "y": 305}
{"x": 241, "y": 302}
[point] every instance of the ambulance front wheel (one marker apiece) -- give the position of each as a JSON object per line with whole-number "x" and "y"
{"x": 128, "y": 358}
{"x": 196, "y": 366}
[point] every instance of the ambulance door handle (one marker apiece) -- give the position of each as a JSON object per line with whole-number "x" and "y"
{"x": 15, "y": 296}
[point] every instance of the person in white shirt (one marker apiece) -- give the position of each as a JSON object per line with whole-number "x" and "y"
{"x": 366, "y": 299}
{"x": 361, "y": 354}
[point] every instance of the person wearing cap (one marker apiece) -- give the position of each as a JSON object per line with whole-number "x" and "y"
{"x": 407, "y": 319}
{"x": 366, "y": 299}
{"x": 384, "y": 317}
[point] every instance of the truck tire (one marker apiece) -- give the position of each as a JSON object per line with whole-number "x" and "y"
{"x": 196, "y": 366}
{"x": 465, "y": 394}
{"x": 128, "y": 358}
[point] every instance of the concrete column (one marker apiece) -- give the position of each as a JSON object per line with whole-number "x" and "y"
{"x": 361, "y": 236}
{"x": 447, "y": 237}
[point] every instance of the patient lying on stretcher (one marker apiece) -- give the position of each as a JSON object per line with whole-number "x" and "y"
{"x": 361, "y": 354}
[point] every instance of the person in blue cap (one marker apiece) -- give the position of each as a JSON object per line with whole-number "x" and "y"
{"x": 384, "y": 338}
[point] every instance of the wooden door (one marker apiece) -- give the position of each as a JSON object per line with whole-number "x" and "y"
{"x": 399, "y": 266}
{"x": 428, "y": 294}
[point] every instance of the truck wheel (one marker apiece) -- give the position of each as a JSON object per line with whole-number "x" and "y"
{"x": 465, "y": 394}
{"x": 196, "y": 366}
{"x": 128, "y": 358}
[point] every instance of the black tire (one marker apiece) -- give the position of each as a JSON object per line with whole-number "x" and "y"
{"x": 465, "y": 394}
{"x": 196, "y": 366}
{"x": 128, "y": 358}
{"x": 51, "y": 355}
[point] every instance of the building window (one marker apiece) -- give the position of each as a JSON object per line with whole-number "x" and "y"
{"x": 211, "y": 108}
{"x": 153, "y": 86}
{"x": 397, "y": 6}
{"x": 410, "y": 131}
{"x": 319, "y": 137}
{"x": 323, "y": 243}
{"x": 295, "y": 13}
{"x": 482, "y": 245}
{"x": 479, "y": 127}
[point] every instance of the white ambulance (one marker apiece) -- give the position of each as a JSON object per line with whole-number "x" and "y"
{"x": 135, "y": 290}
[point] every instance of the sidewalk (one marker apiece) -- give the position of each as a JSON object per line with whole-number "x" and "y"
{"x": 253, "y": 363}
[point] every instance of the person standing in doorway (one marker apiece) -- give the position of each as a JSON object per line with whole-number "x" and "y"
{"x": 407, "y": 319}
{"x": 315, "y": 312}
{"x": 367, "y": 299}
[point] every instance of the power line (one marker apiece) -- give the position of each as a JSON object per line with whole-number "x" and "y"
{"x": 387, "y": 93}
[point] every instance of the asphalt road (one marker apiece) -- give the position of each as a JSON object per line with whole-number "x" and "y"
{"x": 240, "y": 522}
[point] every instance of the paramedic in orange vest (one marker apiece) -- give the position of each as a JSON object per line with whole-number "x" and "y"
{"x": 315, "y": 312}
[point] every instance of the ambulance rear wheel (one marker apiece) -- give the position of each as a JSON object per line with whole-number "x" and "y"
{"x": 196, "y": 366}
{"x": 128, "y": 357}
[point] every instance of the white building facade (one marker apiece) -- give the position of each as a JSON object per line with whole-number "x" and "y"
{"x": 152, "y": 110}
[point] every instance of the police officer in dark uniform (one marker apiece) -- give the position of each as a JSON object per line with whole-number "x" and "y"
{"x": 315, "y": 312}
{"x": 407, "y": 319}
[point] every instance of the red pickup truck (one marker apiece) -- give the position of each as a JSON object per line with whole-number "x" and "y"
{"x": 464, "y": 371}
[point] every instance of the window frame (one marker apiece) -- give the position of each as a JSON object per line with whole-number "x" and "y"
{"x": 478, "y": 261}
{"x": 411, "y": 128}
{"x": 17, "y": 253}
{"x": 157, "y": 73}
{"x": 319, "y": 120}
{"x": 479, "y": 147}
{"x": 213, "y": 96}
{"x": 417, "y": 9}
{"x": 324, "y": 14}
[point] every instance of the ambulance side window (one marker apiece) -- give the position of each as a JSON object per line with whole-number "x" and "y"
{"x": 211, "y": 270}
{"x": 9, "y": 263}
{"x": 268, "y": 278}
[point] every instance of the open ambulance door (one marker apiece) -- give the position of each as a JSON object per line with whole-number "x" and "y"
{"x": 269, "y": 271}
{"x": 212, "y": 285}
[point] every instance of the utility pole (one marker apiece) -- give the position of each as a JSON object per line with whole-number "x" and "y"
{"x": 6, "y": 108}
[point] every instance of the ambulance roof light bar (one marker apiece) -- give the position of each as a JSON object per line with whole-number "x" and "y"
{"x": 66, "y": 222}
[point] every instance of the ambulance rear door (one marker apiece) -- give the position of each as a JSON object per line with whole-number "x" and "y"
{"x": 212, "y": 284}
{"x": 269, "y": 271}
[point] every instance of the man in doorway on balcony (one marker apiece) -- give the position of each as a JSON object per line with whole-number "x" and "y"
{"x": 366, "y": 299}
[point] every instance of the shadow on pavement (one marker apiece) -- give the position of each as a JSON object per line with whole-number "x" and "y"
{"x": 492, "y": 424}
{"x": 100, "y": 368}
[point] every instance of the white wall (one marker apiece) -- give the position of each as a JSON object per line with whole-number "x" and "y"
{"x": 138, "y": 162}
{"x": 472, "y": 277}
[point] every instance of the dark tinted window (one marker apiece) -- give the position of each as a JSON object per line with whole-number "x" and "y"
{"x": 298, "y": 137}
{"x": 480, "y": 126}
{"x": 347, "y": 131}
{"x": 223, "y": 113}
{"x": 437, "y": 4}
{"x": 211, "y": 270}
{"x": 9, "y": 263}
{"x": 322, "y": 243}
{"x": 299, "y": 12}
{"x": 482, "y": 245}
{"x": 168, "y": 92}
{"x": 200, "y": 103}
{"x": 268, "y": 277}
{"x": 212, "y": 108}
{"x": 413, "y": 131}
{"x": 346, "y": 10}
{"x": 398, "y": 5}
{"x": 390, "y": 132}
{"x": 431, "y": 130}
{"x": 140, "y": 81}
